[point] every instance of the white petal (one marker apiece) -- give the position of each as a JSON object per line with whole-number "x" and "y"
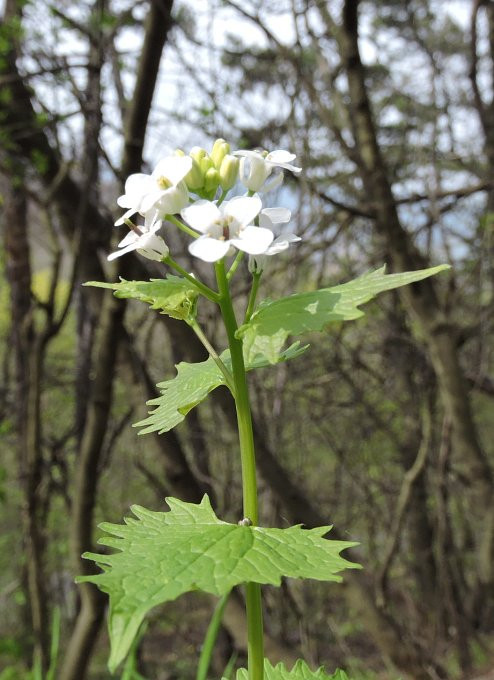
{"x": 282, "y": 243}
{"x": 174, "y": 168}
{"x": 244, "y": 172}
{"x": 271, "y": 216}
{"x": 282, "y": 159}
{"x": 243, "y": 208}
{"x": 149, "y": 245}
{"x": 253, "y": 240}
{"x": 149, "y": 200}
{"x": 201, "y": 215}
{"x": 136, "y": 187}
{"x": 209, "y": 249}
{"x": 129, "y": 238}
{"x": 172, "y": 200}
{"x": 122, "y": 251}
{"x": 278, "y": 215}
{"x": 280, "y": 156}
{"x": 292, "y": 168}
{"x": 153, "y": 247}
{"x": 253, "y": 172}
{"x": 125, "y": 216}
{"x": 249, "y": 154}
{"x": 123, "y": 201}
{"x": 274, "y": 182}
{"x": 151, "y": 221}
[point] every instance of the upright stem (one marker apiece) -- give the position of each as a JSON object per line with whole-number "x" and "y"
{"x": 256, "y": 279}
{"x": 255, "y": 644}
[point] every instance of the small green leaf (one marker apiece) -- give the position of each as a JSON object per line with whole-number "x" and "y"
{"x": 173, "y": 296}
{"x": 273, "y": 322}
{"x": 162, "y": 555}
{"x": 192, "y": 384}
{"x": 300, "y": 671}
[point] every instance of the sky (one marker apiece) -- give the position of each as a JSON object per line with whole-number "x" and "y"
{"x": 178, "y": 93}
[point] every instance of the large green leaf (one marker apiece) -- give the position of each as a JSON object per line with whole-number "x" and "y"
{"x": 173, "y": 296}
{"x": 192, "y": 384}
{"x": 274, "y": 322}
{"x": 300, "y": 671}
{"x": 164, "y": 554}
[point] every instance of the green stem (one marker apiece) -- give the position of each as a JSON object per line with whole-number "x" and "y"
{"x": 224, "y": 193}
{"x": 255, "y": 634}
{"x": 205, "y": 290}
{"x": 210, "y": 639}
{"x": 249, "y": 483}
{"x": 213, "y": 354}
{"x": 256, "y": 278}
{"x": 238, "y": 259}
{"x": 182, "y": 226}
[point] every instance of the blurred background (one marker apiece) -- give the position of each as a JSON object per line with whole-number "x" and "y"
{"x": 384, "y": 429}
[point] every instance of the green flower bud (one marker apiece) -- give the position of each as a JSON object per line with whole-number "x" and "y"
{"x": 220, "y": 149}
{"x": 198, "y": 153}
{"x": 179, "y": 152}
{"x": 206, "y": 163}
{"x": 194, "y": 179}
{"x": 229, "y": 171}
{"x": 211, "y": 180}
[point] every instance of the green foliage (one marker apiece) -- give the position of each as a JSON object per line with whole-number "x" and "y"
{"x": 191, "y": 385}
{"x": 6, "y": 95}
{"x": 41, "y": 285}
{"x": 210, "y": 638}
{"x": 14, "y": 649}
{"x": 273, "y": 322}
{"x": 3, "y": 481}
{"x": 300, "y": 671}
{"x": 10, "y": 32}
{"x": 165, "y": 554}
{"x": 15, "y": 673}
{"x": 130, "y": 669}
{"x": 173, "y": 296}
{"x": 54, "y": 644}
{"x": 40, "y": 160}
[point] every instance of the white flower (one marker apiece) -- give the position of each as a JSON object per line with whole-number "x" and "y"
{"x": 164, "y": 191}
{"x": 145, "y": 241}
{"x": 257, "y": 166}
{"x": 268, "y": 218}
{"x": 225, "y": 226}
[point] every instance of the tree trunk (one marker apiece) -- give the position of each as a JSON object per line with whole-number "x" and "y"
{"x": 420, "y": 299}
{"x": 28, "y": 352}
{"x": 111, "y": 332}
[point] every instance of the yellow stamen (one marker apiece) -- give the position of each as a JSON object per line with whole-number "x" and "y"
{"x": 163, "y": 182}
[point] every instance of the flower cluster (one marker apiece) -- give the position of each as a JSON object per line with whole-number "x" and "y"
{"x": 195, "y": 187}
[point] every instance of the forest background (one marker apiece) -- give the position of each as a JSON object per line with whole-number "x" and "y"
{"x": 387, "y": 430}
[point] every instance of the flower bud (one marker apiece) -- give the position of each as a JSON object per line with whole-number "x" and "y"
{"x": 229, "y": 172}
{"x": 211, "y": 180}
{"x": 197, "y": 153}
{"x": 153, "y": 247}
{"x": 179, "y": 152}
{"x": 194, "y": 178}
{"x": 253, "y": 172}
{"x": 219, "y": 151}
{"x": 257, "y": 263}
{"x": 206, "y": 163}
